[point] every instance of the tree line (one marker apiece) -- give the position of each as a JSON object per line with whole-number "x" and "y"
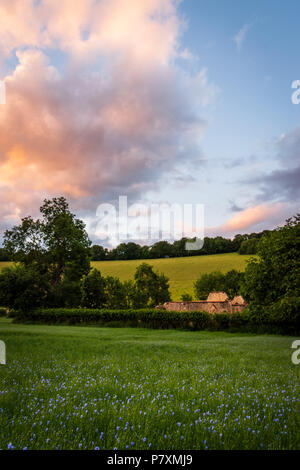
{"x": 245, "y": 244}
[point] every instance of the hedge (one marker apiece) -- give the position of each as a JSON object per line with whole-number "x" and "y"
{"x": 163, "y": 319}
{"x": 2, "y": 312}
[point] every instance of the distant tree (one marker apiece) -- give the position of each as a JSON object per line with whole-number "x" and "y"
{"x": 161, "y": 249}
{"x": 209, "y": 282}
{"x": 153, "y": 288}
{"x": 238, "y": 240}
{"x": 217, "y": 281}
{"x": 93, "y": 290}
{"x": 249, "y": 247}
{"x": 127, "y": 251}
{"x": 98, "y": 253}
{"x": 179, "y": 248}
{"x": 186, "y": 297}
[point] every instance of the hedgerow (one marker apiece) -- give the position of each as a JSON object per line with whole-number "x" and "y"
{"x": 161, "y": 319}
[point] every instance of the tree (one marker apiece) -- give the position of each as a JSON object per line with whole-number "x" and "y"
{"x": 115, "y": 293}
{"x": 207, "y": 283}
{"x": 161, "y": 249}
{"x": 217, "y": 281}
{"x": 185, "y": 297}
{"x": 127, "y": 251}
{"x": 275, "y": 274}
{"x": 57, "y": 244}
{"x": 99, "y": 253}
{"x": 22, "y": 288}
{"x": 153, "y": 288}
{"x": 93, "y": 290}
{"x": 232, "y": 283}
{"x": 249, "y": 247}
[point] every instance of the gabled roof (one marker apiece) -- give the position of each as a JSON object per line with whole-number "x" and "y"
{"x": 217, "y": 297}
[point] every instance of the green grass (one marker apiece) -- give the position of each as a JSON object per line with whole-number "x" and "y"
{"x": 106, "y": 388}
{"x": 182, "y": 272}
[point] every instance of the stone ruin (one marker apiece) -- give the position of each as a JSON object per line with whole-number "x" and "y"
{"x": 217, "y": 302}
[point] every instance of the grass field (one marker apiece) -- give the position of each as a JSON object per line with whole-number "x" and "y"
{"x": 182, "y": 272}
{"x": 101, "y": 388}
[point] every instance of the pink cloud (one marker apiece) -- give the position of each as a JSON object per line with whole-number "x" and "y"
{"x": 113, "y": 120}
{"x": 254, "y": 218}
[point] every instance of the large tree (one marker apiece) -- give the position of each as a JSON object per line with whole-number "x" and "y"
{"x": 56, "y": 244}
{"x": 275, "y": 274}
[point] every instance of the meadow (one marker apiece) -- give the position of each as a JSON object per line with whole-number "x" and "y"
{"x": 69, "y": 387}
{"x": 182, "y": 272}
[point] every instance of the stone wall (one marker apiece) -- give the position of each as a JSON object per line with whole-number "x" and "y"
{"x": 212, "y": 306}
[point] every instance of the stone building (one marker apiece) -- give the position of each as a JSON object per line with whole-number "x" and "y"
{"x": 217, "y": 302}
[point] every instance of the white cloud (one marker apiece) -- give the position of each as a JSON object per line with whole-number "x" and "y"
{"x": 240, "y": 37}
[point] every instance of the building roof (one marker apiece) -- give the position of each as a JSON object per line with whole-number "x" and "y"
{"x": 217, "y": 297}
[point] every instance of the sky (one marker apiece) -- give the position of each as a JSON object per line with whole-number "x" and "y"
{"x": 164, "y": 101}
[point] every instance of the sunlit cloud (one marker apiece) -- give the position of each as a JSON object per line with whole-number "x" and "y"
{"x": 117, "y": 116}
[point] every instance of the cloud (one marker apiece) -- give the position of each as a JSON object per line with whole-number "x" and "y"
{"x": 240, "y": 37}
{"x": 281, "y": 184}
{"x": 113, "y": 120}
{"x": 254, "y": 218}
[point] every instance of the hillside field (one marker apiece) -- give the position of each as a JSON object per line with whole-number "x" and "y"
{"x": 66, "y": 387}
{"x": 182, "y": 272}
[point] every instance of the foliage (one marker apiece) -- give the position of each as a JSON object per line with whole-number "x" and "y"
{"x": 4, "y": 256}
{"x": 275, "y": 274}
{"x": 186, "y": 297}
{"x": 207, "y": 283}
{"x": 22, "y": 288}
{"x": 115, "y": 294}
{"x": 153, "y": 288}
{"x": 243, "y": 244}
{"x": 249, "y": 247}
{"x": 164, "y": 319}
{"x": 93, "y": 290}
{"x": 229, "y": 282}
{"x": 57, "y": 244}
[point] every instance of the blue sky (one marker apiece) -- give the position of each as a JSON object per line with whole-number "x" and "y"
{"x": 253, "y": 107}
{"x": 163, "y": 101}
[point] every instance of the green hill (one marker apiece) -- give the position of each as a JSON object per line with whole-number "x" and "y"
{"x": 182, "y": 272}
